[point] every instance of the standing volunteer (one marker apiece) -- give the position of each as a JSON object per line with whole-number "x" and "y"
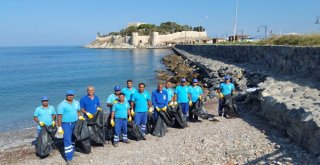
{"x": 195, "y": 92}
{"x": 225, "y": 91}
{"x": 170, "y": 92}
{"x": 90, "y": 103}
{"x": 44, "y": 114}
{"x": 68, "y": 114}
{"x": 182, "y": 97}
{"x": 140, "y": 103}
{"x": 129, "y": 90}
{"x": 159, "y": 101}
{"x": 120, "y": 116}
{"x": 114, "y": 97}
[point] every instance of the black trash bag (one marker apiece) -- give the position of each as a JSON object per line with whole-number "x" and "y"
{"x": 179, "y": 120}
{"x": 84, "y": 146}
{"x": 96, "y": 128}
{"x": 166, "y": 118}
{"x": 171, "y": 111}
{"x": 199, "y": 110}
{"x": 149, "y": 123}
{"x": 82, "y": 136}
{"x": 160, "y": 128}
{"x": 134, "y": 132}
{"x": 229, "y": 106}
{"x": 81, "y": 130}
{"x": 44, "y": 140}
{"x": 108, "y": 129}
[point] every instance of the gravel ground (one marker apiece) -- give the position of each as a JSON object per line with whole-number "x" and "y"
{"x": 244, "y": 140}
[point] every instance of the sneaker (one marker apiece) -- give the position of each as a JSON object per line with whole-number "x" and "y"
{"x": 127, "y": 141}
{"x": 199, "y": 121}
{"x": 116, "y": 144}
{"x": 76, "y": 154}
{"x": 220, "y": 114}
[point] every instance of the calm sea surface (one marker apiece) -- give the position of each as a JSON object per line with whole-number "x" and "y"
{"x": 27, "y": 73}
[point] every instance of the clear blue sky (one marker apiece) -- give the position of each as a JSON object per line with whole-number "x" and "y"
{"x": 76, "y": 22}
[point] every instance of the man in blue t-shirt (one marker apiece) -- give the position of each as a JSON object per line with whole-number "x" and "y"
{"x": 68, "y": 114}
{"x": 114, "y": 97}
{"x": 90, "y": 103}
{"x": 129, "y": 90}
{"x": 181, "y": 94}
{"x": 170, "y": 92}
{"x": 225, "y": 90}
{"x": 119, "y": 119}
{"x": 159, "y": 101}
{"x": 140, "y": 103}
{"x": 44, "y": 114}
{"x": 195, "y": 93}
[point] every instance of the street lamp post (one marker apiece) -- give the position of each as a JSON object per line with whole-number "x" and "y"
{"x": 235, "y": 22}
{"x": 201, "y": 27}
{"x": 318, "y": 20}
{"x": 265, "y": 30}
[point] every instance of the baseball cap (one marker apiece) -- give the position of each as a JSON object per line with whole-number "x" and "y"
{"x": 116, "y": 88}
{"x": 44, "y": 98}
{"x": 70, "y": 92}
{"x": 195, "y": 80}
{"x": 227, "y": 77}
{"x": 183, "y": 80}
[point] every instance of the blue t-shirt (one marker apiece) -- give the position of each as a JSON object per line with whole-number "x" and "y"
{"x": 226, "y": 89}
{"x": 159, "y": 98}
{"x": 112, "y": 98}
{"x": 170, "y": 93}
{"x": 195, "y": 92}
{"x": 45, "y": 114}
{"x": 89, "y": 105}
{"x": 69, "y": 111}
{"x": 121, "y": 110}
{"x": 128, "y": 92}
{"x": 141, "y": 101}
{"x": 182, "y": 94}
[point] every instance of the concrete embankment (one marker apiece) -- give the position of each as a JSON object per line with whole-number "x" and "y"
{"x": 277, "y": 83}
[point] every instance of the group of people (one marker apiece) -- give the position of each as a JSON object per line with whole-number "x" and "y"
{"x": 125, "y": 105}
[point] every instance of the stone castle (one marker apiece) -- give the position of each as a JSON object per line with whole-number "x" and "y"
{"x": 153, "y": 40}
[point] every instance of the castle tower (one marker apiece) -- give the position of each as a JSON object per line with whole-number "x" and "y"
{"x": 155, "y": 39}
{"x": 135, "y": 39}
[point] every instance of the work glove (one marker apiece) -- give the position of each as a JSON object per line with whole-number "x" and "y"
{"x": 130, "y": 118}
{"x": 41, "y": 123}
{"x": 175, "y": 103}
{"x": 90, "y": 116}
{"x": 99, "y": 109}
{"x": 221, "y": 95}
{"x": 81, "y": 118}
{"x": 190, "y": 103}
{"x": 112, "y": 122}
{"x": 199, "y": 97}
{"x": 150, "y": 110}
{"x": 158, "y": 109}
{"x": 115, "y": 102}
{"x": 171, "y": 103}
{"x": 132, "y": 112}
{"x": 60, "y": 131}
{"x": 53, "y": 123}
{"x": 164, "y": 108}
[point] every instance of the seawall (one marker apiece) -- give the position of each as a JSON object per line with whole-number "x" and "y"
{"x": 300, "y": 61}
{"x": 277, "y": 83}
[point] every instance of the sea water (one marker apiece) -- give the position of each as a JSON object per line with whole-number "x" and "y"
{"x": 27, "y": 73}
